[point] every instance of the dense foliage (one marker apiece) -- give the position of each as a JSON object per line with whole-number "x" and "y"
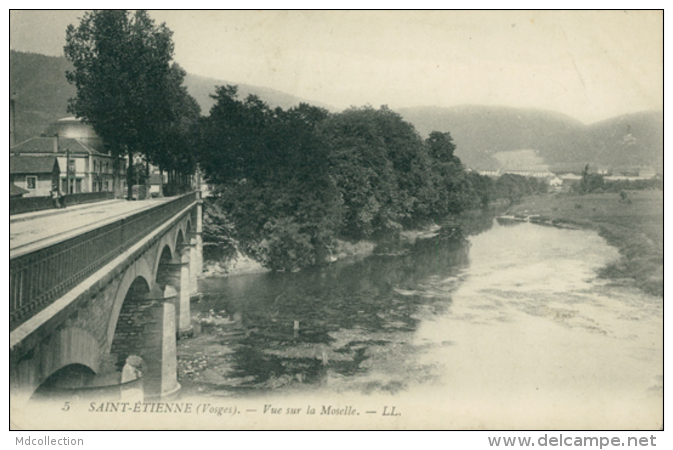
{"x": 129, "y": 91}
{"x": 292, "y": 181}
{"x": 273, "y": 178}
{"x": 590, "y": 182}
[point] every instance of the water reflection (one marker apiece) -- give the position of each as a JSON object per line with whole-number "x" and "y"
{"x": 284, "y": 329}
{"x": 474, "y": 312}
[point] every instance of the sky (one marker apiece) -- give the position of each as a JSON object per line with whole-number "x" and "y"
{"x": 591, "y": 65}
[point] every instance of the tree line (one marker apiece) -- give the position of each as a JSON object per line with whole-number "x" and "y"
{"x": 288, "y": 183}
{"x": 131, "y": 92}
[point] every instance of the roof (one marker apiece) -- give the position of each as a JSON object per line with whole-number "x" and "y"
{"x": 16, "y": 191}
{"x": 32, "y": 164}
{"x": 73, "y": 128}
{"x": 48, "y": 144}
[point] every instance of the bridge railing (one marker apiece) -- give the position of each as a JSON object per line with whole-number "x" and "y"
{"x": 87, "y": 197}
{"x": 39, "y": 278}
{"x": 22, "y": 205}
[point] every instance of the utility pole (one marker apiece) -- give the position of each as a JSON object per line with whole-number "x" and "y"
{"x": 67, "y": 165}
{"x": 67, "y": 176}
{"x": 58, "y": 152}
{"x": 12, "y": 106}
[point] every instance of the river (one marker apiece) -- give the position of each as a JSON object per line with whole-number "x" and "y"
{"x": 499, "y": 326}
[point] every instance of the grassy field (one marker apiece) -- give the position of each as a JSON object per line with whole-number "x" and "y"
{"x": 635, "y": 226}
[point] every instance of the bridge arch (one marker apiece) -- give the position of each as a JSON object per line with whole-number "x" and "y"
{"x": 166, "y": 252}
{"x": 179, "y": 239}
{"x": 80, "y": 334}
{"x": 140, "y": 269}
{"x": 64, "y": 348}
{"x": 129, "y": 322}
{"x": 67, "y": 379}
{"x": 146, "y": 327}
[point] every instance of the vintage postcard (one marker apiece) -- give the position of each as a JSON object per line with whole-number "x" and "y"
{"x": 336, "y": 220}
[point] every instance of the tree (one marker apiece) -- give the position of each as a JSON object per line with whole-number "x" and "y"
{"x": 292, "y": 181}
{"x": 590, "y": 182}
{"x": 272, "y": 173}
{"x": 127, "y": 88}
{"x": 173, "y": 147}
{"x": 362, "y": 171}
{"x": 234, "y": 141}
{"x": 454, "y": 190}
{"x": 441, "y": 147}
{"x": 513, "y": 187}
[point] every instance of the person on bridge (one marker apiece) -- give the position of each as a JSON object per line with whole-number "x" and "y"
{"x": 57, "y": 197}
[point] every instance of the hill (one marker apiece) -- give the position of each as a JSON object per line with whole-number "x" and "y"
{"x": 41, "y": 92}
{"x": 483, "y": 133}
{"x": 201, "y": 87}
{"x": 633, "y": 139}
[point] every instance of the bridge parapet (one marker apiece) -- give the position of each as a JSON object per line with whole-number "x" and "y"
{"x": 42, "y": 276}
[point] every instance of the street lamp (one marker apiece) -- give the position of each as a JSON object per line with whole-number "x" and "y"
{"x": 67, "y": 173}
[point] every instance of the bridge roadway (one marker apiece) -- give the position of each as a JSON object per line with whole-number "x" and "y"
{"x": 31, "y": 231}
{"x": 93, "y": 284}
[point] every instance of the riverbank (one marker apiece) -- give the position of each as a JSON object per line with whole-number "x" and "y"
{"x": 239, "y": 264}
{"x": 469, "y": 222}
{"x": 634, "y": 225}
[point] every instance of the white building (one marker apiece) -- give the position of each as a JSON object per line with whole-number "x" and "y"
{"x": 79, "y": 153}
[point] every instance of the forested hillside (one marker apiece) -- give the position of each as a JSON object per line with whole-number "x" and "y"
{"x": 41, "y": 91}
{"x": 561, "y": 141}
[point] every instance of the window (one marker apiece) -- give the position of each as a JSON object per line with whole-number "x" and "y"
{"x": 31, "y": 182}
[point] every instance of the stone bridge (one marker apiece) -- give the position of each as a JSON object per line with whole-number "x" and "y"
{"x": 83, "y": 300}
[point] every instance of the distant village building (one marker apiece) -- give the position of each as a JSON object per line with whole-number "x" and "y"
{"x": 647, "y": 172}
{"x": 156, "y": 182}
{"x": 612, "y": 178}
{"x": 555, "y": 181}
{"x": 632, "y": 173}
{"x": 531, "y": 172}
{"x": 84, "y": 166}
{"x": 36, "y": 175}
{"x": 495, "y": 173}
{"x": 535, "y": 172}
{"x": 569, "y": 179}
{"x": 578, "y": 168}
